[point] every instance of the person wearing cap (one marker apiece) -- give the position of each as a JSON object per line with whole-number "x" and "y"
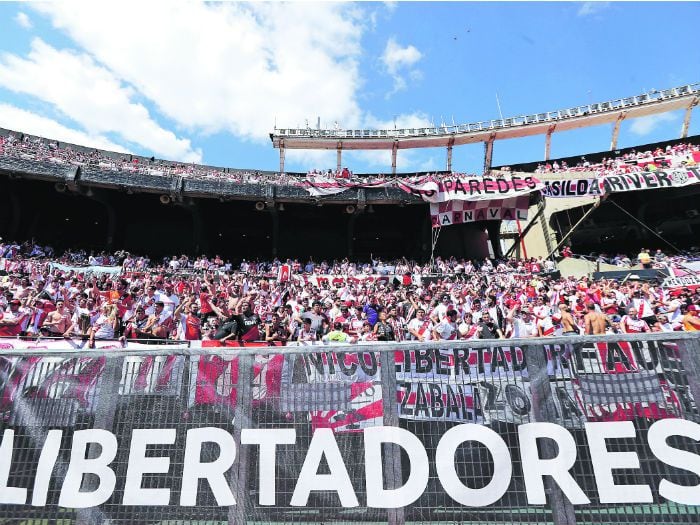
{"x": 690, "y": 321}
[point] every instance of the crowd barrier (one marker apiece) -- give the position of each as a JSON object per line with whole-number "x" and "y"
{"x": 595, "y": 429}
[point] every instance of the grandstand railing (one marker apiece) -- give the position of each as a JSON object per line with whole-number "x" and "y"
{"x": 330, "y": 398}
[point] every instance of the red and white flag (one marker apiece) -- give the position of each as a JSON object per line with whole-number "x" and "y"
{"x": 284, "y": 273}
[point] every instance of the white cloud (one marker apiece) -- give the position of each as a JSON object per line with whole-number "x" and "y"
{"x": 23, "y": 20}
{"x": 396, "y": 59}
{"x": 17, "y": 119}
{"x": 91, "y": 96}
{"x": 404, "y": 120}
{"x": 250, "y": 67}
{"x": 592, "y": 8}
{"x": 645, "y": 125}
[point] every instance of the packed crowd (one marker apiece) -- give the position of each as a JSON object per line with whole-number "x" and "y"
{"x": 182, "y": 298}
{"x": 672, "y": 156}
{"x": 39, "y": 149}
{"x": 654, "y": 259}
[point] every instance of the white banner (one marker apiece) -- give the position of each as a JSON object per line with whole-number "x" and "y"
{"x": 565, "y": 188}
{"x": 459, "y": 212}
{"x": 648, "y": 180}
{"x": 87, "y": 270}
{"x": 474, "y": 188}
{"x": 342, "y": 280}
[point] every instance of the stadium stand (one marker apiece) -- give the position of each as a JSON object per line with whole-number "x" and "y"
{"x": 118, "y": 294}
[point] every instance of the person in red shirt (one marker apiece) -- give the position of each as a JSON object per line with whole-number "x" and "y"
{"x": 205, "y": 309}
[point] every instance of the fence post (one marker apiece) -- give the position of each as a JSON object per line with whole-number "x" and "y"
{"x": 243, "y": 415}
{"x": 544, "y": 410}
{"x": 106, "y": 400}
{"x": 689, "y": 350}
{"x": 393, "y": 477}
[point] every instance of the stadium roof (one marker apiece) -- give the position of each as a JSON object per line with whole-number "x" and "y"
{"x": 653, "y": 102}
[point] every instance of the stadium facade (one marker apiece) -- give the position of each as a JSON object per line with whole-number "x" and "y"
{"x": 99, "y": 208}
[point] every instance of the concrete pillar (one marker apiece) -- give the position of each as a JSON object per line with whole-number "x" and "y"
{"x": 450, "y": 143}
{"x": 488, "y": 153}
{"x": 548, "y": 142}
{"x": 494, "y": 230}
{"x": 281, "y": 156}
{"x": 616, "y": 131}
{"x": 686, "y": 120}
{"x": 339, "y": 156}
{"x": 394, "y": 149}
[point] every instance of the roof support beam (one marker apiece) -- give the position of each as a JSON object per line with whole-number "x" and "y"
{"x": 548, "y": 141}
{"x": 488, "y": 153}
{"x": 281, "y": 156}
{"x": 686, "y": 120}
{"x": 450, "y": 143}
{"x": 394, "y": 149}
{"x": 339, "y": 155}
{"x": 616, "y": 130}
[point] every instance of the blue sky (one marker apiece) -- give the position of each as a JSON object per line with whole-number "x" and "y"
{"x": 207, "y": 82}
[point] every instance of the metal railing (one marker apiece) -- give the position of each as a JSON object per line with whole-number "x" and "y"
{"x": 186, "y": 429}
{"x": 494, "y": 124}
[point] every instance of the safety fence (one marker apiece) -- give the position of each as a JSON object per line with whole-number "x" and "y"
{"x": 596, "y": 429}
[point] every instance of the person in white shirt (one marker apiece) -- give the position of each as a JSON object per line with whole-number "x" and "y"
{"x": 467, "y": 328}
{"x": 632, "y": 324}
{"x": 642, "y": 305}
{"x": 440, "y": 312}
{"x": 447, "y": 329}
{"x": 169, "y": 299}
{"x": 420, "y": 327}
{"x": 673, "y": 313}
{"x": 524, "y": 324}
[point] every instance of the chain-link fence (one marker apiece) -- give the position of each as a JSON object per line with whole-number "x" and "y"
{"x": 577, "y": 430}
